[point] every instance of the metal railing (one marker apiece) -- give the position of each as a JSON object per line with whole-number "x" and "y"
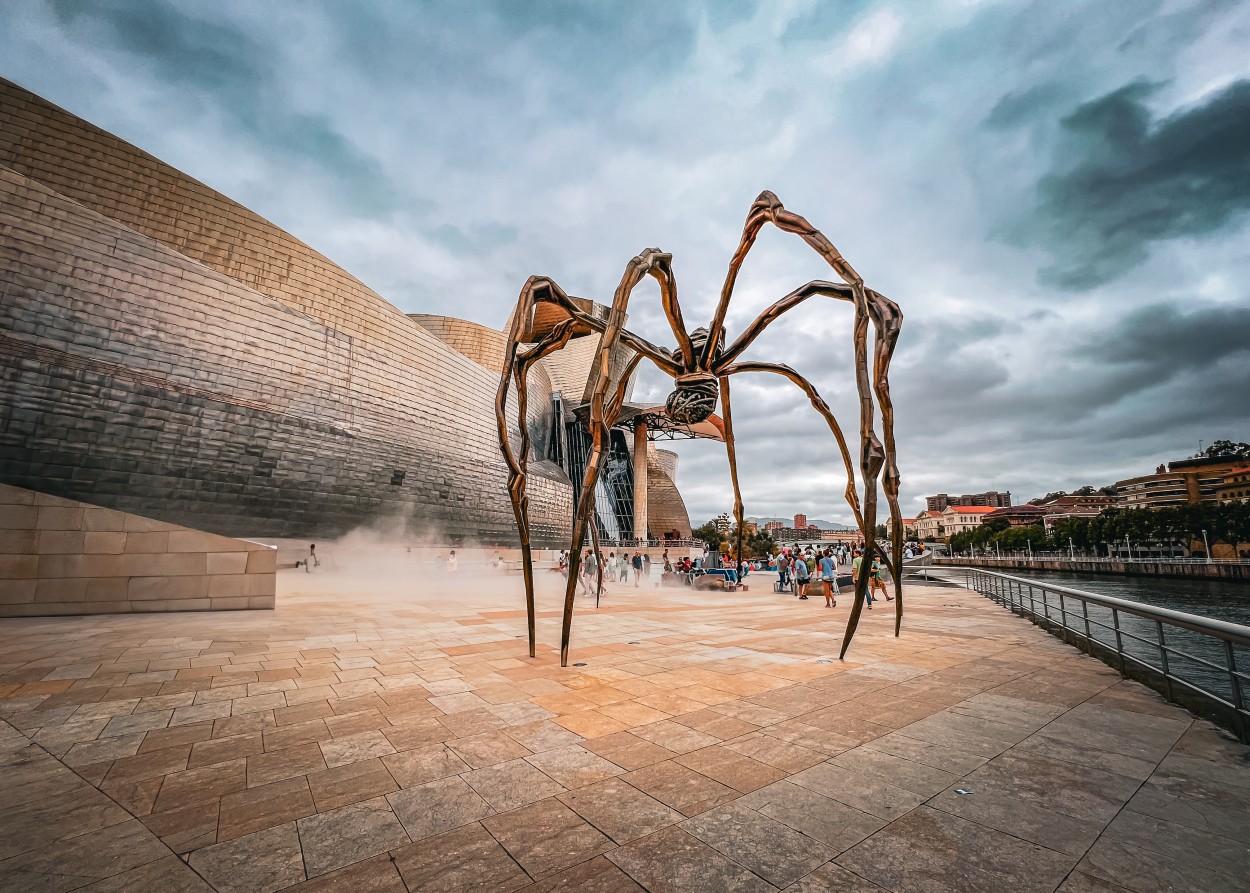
{"x": 1085, "y": 559}
{"x": 1191, "y": 660}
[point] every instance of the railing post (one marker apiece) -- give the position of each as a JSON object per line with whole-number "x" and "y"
{"x": 1163, "y": 659}
{"x": 1085, "y": 614}
{"x": 1119, "y": 640}
{"x": 1230, "y": 659}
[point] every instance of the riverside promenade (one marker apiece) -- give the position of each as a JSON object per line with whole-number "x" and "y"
{"x": 365, "y": 738}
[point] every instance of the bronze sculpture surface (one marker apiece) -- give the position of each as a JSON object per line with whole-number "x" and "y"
{"x": 700, "y": 366}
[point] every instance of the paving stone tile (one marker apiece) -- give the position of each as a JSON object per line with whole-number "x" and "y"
{"x": 628, "y": 751}
{"x": 187, "y": 788}
{"x": 104, "y": 749}
{"x": 674, "y": 736}
{"x": 835, "y": 824}
{"x": 187, "y": 828}
{"x": 354, "y": 748}
{"x": 777, "y": 853}
{"x": 376, "y": 875}
{"x": 542, "y": 735}
{"x": 680, "y": 787}
{"x": 350, "y": 783}
{"x": 293, "y": 734}
{"x": 437, "y": 806}
{"x": 928, "y": 850}
{"x": 424, "y": 764}
{"x": 487, "y": 749}
{"x": 620, "y": 810}
{"x": 418, "y": 733}
{"x": 546, "y": 837}
{"x": 730, "y": 768}
{"x": 266, "y": 768}
{"x": 866, "y": 794}
{"x": 833, "y": 878}
{"x": 596, "y": 876}
{"x": 459, "y": 861}
{"x": 672, "y": 861}
{"x": 512, "y": 784}
{"x": 349, "y": 834}
{"x": 263, "y": 807}
{"x": 223, "y": 750}
{"x": 573, "y": 766}
{"x": 260, "y": 862}
{"x": 167, "y": 875}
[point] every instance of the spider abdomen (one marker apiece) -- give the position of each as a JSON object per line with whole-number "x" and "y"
{"x": 694, "y": 400}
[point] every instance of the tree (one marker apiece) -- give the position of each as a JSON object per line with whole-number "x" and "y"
{"x": 1049, "y": 497}
{"x": 709, "y": 533}
{"x": 1224, "y": 448}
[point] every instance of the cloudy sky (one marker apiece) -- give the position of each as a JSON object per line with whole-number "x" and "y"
{"x": 1055, "y": 193}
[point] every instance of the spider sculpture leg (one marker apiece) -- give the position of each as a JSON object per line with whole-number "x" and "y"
{"x": 731, "y": 451}
{"x": 768, "y": 209}
{"x": 517, "y": 366}
{"x": 602, "y": 412}
{"x": 887, "y": 320}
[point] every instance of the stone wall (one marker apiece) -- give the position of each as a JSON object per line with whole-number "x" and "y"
{"x": 58, "y": 556}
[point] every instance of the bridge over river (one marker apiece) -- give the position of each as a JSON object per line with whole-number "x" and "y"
{"x": 388, "y": 733}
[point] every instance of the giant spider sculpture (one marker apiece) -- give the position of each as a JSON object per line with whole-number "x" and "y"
{"x": 701, "y": 366}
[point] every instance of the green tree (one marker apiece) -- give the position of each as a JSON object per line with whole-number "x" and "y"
{"x": 709, "y": 534}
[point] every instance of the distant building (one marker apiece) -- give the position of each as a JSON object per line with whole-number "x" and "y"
{"x": 1018, "y": 515}
{"x": 1236, "y": 487}
{"x": 991, "y": 498}
{"x": 722, "y": 522}
{"x": 774, "y": 525}
{"x": 800, "y": 522}
{"x": 959, "y": 518}
{"x": 1184, "y": 482}
{"x": 909, "y": 528}
{"x": 1075, "y": 507}
{"x": 928, "y": 525}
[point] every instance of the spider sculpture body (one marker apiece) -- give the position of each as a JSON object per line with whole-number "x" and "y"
{"x": 701, "y": 366}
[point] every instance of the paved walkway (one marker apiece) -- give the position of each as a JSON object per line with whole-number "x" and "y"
{"x": 387, "y": 742}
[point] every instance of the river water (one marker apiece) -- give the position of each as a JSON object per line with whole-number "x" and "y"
{"x": 1208, "y": 598}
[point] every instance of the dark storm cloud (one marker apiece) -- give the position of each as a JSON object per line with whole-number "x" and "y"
{"x": 1136, "y": 180}
{"x": 1164, "y": 335}
{"x": 226, "y": 68}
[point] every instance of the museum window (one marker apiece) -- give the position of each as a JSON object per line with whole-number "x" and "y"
{"x": 397, "y": 477}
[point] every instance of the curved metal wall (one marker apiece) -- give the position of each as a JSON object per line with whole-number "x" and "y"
{"x": 168, "y": 352}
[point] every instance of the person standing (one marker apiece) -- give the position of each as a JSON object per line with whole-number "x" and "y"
{"x": 783, "y": 571}
{"x": 637, "y": 562}
{"x": 801, "y": 577}
{"x": 453, "y": 563}
{"x": 829, "y": 578}
{"x": 646, "y": 566}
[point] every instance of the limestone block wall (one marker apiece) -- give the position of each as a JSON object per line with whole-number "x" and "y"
{"x": 59, "y": 556}
{"x": 167, "y": 352}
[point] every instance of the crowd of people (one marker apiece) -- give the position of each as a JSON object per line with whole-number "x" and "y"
{"x": 798, "y": 568}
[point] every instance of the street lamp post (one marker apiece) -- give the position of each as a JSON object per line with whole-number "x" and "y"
{"x": 1207, "y": 544}
{"x": 1129, "y": 546}
{"x": 1071, "y": 550}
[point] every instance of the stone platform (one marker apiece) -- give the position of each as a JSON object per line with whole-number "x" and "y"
{"x": 361, "y": 737}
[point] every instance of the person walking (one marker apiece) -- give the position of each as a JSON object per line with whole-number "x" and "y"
{"x": 783, "y": 571}
{"x": 312, "y": 560}
{"x": 637, "y": 562}
{"x": 646, "y": 566}
{"x": 875, "y": 580}
{"x": 829, "y": 578}
{"x": 801, "y": 577}
{"x": 453, "y": 563}
{"x": 609, "y": 569}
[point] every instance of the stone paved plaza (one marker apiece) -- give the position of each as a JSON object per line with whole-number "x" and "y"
{"x": 363, "y": 738}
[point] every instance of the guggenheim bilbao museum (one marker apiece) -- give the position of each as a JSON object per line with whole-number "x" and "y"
{"x": 169, "y": 353}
